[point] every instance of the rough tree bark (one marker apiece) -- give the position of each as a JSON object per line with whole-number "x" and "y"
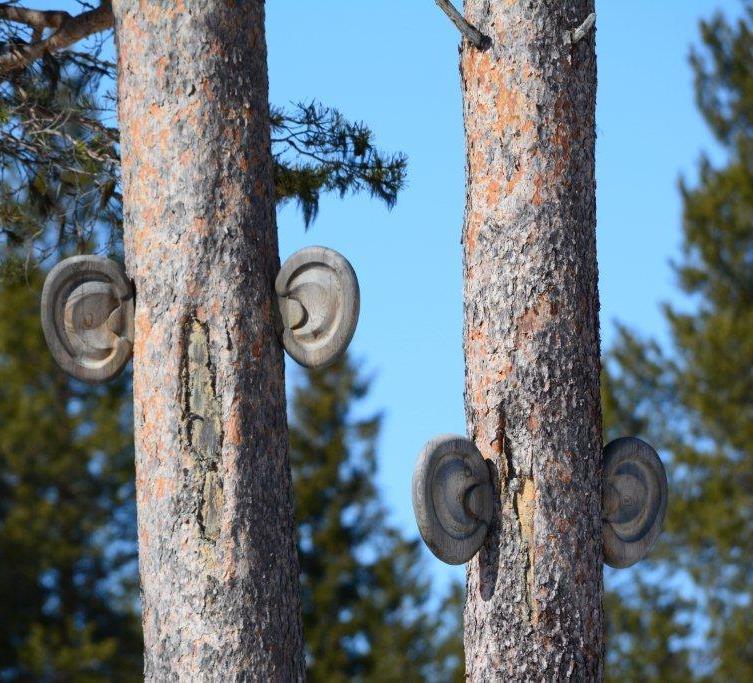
{"x": 217, "y": 557}
{"x": 531, "y": 341}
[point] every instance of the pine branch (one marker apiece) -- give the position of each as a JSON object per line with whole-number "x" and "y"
{"x": 32, "y": 17}
{"x": 69, "y": 29}
{"x": 577, "y": 34}
{"x": 472, "y": 34}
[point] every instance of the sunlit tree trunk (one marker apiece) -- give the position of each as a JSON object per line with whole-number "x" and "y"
{"x": 218, "y": 567}
{"x": 531, "y": 339}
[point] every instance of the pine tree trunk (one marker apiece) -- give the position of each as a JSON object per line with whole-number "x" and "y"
{"x": 217, "y": 558}
{"x": 531, "y": 340}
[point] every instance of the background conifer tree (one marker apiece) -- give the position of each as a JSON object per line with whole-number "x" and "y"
{"x": 694, "y": 399}
{"x": 365, "y": 594}
{"x": 68, "y": 597}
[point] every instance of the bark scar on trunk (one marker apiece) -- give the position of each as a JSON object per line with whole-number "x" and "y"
{"x": 520, "y": 496}
{"x": 202, "y": 426}
{"x": 523, "y": 504}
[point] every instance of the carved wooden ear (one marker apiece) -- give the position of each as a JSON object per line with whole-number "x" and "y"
{"x": 87, "y": 317}
{"x": 634, "y": 500}
{"x": 452, "y": 498}
{"x": 319, "y": 300}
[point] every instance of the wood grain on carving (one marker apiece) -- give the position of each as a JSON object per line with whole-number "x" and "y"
{"x": 634, "y": 500}
{"x": 319, "y": 301}
{"x": 87, "y": 317}
{"x": 452, "y": 498}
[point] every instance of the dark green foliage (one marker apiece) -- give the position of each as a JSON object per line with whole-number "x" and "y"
{"x": 67, "y": 512}
{"x": 316, "y": 150}
{"x": 58, "y": 155}
{"x": 641, "y": 646}
{"x": 59, "y": 158}
{"x": 364, "y": 588}
{"x": 68, "y": 574}
{"x": 695, "y": 399}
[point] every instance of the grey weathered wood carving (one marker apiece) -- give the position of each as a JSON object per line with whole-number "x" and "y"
{"x": 319, "y": 302}
{"x": 87, "y": 317}
{"x": 634, "y": 500}
{"x": 452, "y": 498}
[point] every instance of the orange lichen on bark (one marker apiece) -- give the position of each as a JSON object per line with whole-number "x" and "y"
{"x": 473, "y": 225}
{"x": 492, "y": 193}
{"x": 163, "y": 486}
{"x": 510, "y": 107}
{"x": 142, "y": 329}
{"x": 477, "y": 335}
{"x": 535, "y": 318}
{"x": 504, "y": 371}
{"x": 477, "y": 64}
{"x": 158, "y": 12}
{"x": 200, "y": 226}
{"x": 513, "y": 182}
{"x": 536, "y": 197}
{"x": 234, "y": 427}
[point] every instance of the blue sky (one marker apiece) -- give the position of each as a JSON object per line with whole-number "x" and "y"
{"x": 394, "y": 64}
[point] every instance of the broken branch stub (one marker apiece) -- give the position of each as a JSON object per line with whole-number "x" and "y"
{"x": 452, "y": 498}
{"x": 319, "y": 300}
{"x": 87, "y": 317}
{"x": 634, "y": 500}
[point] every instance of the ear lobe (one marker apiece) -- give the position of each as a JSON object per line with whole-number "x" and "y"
{"x": 87, "y": 317}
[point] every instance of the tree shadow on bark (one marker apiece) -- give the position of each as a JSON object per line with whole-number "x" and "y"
{"x": 488, "y": 555}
